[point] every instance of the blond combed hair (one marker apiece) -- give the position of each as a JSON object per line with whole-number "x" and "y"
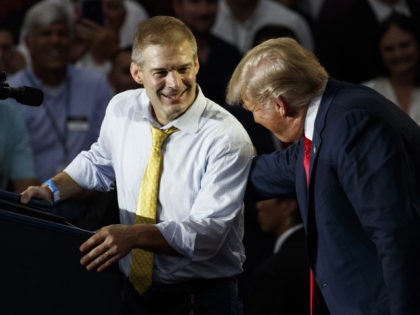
{"x": 277, "y": 67}
{"x": 161, "y": 31}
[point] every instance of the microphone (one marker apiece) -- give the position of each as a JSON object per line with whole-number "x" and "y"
{"x": 25, "y": 95}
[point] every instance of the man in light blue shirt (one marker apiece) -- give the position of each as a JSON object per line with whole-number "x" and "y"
{"x": 75, "y": 99}
{"x": 197, "y": 239}
{"x": 16, "y": 163}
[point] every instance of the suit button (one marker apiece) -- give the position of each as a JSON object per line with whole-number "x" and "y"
{"x": 324, "y": 285}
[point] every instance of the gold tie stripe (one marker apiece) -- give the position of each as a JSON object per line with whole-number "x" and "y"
{"x": 142, "y": 260}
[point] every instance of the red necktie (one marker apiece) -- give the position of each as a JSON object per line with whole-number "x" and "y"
{"x": 306, "y": 162}
{"x": 307, "y": 158}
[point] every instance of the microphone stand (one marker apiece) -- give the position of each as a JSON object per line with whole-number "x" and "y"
{"x": 4, "y": 93}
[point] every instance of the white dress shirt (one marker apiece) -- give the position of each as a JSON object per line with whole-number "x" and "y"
{"x": 383, "y": 86}
{"x": 205, "y": 169}
{"x": 267, "y": 12}
{"x": 382, "y": 10}
{"x": 311, "y": 116}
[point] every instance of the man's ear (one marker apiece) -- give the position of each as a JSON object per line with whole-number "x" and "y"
{"x": 281, "y": 106}
{"x": 197, "y": 64}
{"x": 136, "y": 73}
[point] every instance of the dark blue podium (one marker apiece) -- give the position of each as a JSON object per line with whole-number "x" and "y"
{"x": 40, "y": 272}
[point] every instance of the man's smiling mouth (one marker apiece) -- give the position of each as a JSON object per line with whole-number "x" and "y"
{"x": 173, "y": 96}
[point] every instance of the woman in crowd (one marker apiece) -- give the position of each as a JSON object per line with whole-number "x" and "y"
{"x": 399, "y": 48}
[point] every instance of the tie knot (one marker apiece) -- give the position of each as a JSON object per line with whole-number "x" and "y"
{"x": 307, "y": 146}
{"x": 159, "y": 136}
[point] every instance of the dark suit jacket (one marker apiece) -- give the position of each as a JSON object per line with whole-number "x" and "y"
{"x": 362, "y": 208}
{"x": 280, "y": 285}
{"x": 214, "y": 75}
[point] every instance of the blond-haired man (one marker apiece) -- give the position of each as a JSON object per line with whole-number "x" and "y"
{"x": 358, "y": 187}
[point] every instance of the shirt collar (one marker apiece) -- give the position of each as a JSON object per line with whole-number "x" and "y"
{"x": 382, "y": 10}
{"x": 190, "y": 120}
{"x": 311, "y": 115}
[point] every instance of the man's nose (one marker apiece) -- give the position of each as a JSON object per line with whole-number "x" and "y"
{"x": 173, "y": 79}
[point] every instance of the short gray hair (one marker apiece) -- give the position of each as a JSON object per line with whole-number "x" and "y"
{"x": 161, "y": 30}
{"x": 43, "y": 14}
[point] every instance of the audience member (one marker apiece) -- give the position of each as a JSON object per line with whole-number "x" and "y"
{"x": 95, "y": 44}
{"x": 264, "y": 140}
{"x": 399, "y": 47}
{"x": 74, "y": 99}
{"x": 346, "y": 41}
{"x": 216, "y": 57}
{"x": 270, "y": 31}
{"x": 280, "y": 284}
{"x": 68, "y": 6}
{"x": 329, "y": 8}
{"x": 16, "y": 162}
{"x": 119, "y": 76}
{"x": 238, "y": 20}
{"x": 158, "y": 7}
{"x": 298, "y": 6}
{"x": 314, "y": 8}
{"x": 12, "y": 13}
{"x": 361, "y": 215}
{"x": 11, "y": 60}
{"x": 188, "y": 229}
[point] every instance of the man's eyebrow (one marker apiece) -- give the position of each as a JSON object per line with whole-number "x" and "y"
{"x": 189, "y": 64}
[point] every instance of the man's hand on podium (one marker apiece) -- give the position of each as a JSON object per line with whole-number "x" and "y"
{"x": 108, "y": 245}
{"x": 42, "y": 192}
{"x": 60, "y": 187}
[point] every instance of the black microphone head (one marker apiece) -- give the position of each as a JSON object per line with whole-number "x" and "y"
{"x": 3, "y": 76}
{"x": 27, "y": 95}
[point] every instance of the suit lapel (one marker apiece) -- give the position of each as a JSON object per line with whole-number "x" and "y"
{"x": 326, "y": 101}
{"x": 307, "y": 196}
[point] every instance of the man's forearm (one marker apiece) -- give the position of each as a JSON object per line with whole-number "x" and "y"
{"x": 66, "y": 185}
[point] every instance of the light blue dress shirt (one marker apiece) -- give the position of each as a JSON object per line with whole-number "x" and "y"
{"x": 15, "y": 152}
{"x": 205, "y": 169}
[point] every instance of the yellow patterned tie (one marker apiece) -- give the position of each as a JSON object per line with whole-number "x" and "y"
{"x": 142, "y": 260}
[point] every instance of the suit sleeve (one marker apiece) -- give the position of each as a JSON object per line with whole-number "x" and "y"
{"x": 273, "y": 174}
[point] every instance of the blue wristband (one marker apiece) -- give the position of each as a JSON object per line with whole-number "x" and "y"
{"x": 54, "y": 190}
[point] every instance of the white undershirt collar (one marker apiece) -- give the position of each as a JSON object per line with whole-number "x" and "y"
{"x": 282, "y": 238}
{"x": 311, "y": 115}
